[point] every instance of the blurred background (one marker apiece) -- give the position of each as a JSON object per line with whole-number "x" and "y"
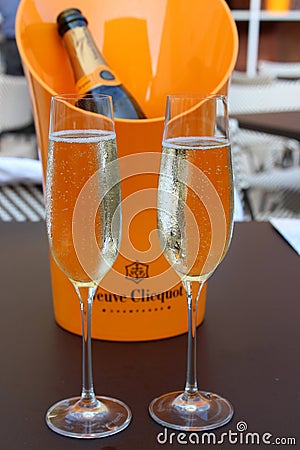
{"x": 277, "y": 25}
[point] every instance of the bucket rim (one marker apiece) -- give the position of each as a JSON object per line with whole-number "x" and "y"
{"x": 217, "y": 89}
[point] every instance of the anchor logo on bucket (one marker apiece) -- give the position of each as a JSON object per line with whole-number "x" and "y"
{"x": 137, "y": 271}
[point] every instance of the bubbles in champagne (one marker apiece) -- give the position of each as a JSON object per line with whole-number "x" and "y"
{"x": 84, "y": 198}
{"x": 194, "y": 204}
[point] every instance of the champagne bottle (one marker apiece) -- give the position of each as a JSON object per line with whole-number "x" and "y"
{"x": 91, "y": 72}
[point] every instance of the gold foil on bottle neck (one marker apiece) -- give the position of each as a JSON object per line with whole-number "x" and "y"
{"x": 82, "y": 50}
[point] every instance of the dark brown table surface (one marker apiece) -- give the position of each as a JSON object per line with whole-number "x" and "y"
{"x": 248, "y": 349}
{"x": 283, "y": 123}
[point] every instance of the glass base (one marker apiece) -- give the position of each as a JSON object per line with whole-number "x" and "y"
{"x": 204, "y": 411}
{"x": 69, "y": 418}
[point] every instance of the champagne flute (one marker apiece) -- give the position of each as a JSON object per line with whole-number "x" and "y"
{"x": 195, "y": 221}
{"x": 83, "y": 216}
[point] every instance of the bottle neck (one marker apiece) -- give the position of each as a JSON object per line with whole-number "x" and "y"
{"x": 82, "y": 50}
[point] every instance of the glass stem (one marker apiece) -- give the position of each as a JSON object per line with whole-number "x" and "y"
{"x": 86, "y": 297}
{"x": 191, "y": 386}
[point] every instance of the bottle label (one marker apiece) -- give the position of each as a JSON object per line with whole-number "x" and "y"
{"x": 101, "y": 75}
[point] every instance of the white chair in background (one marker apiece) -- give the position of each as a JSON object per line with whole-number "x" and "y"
{"x": 15, "y": 105}
{"x": 263, "y": 94}
{"x": 16, "y": 137}
{"x": 259, "y": 95}
{"x": 267, "y": 166}
{"x": 265, "y": 187}
{"x": 287, "y": 70}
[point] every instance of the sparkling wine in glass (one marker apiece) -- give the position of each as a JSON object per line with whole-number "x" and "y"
{"x": 195, "y": 222}
{"x": 83, "y": 216}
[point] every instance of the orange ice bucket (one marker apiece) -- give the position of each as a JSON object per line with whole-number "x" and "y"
{"x": 156, "y": 47}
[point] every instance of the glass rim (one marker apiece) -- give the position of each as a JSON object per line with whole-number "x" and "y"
{"x": 197, "y": 95}
{"x": 76, "y": 95}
